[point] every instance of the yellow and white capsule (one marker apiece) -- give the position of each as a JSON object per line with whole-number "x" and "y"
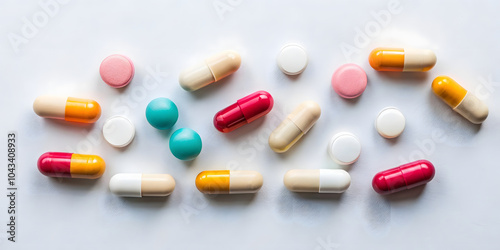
{"x": 459, "y": 99}
{"x": 140, "y": 185}
{"x": 395, "y": 59}
{"x": 294, "y": 126}
{"x": 67, "y": 108}
{"x": 229, "y": 182}
{"x": 317, "y": 180}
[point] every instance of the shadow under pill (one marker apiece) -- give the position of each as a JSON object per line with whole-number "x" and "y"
{"x": 231, "y": 199}
{"x": 404, "y": 77}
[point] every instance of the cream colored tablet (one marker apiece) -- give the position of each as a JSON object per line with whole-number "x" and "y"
{"x": 390, "y": 122}
{"x": 118, "y": 131}
{"x": 140, "y": 185}
{"x": 317, "y": 180}
{"x": 292, "y": 59}
{"x": 344, "y": 148}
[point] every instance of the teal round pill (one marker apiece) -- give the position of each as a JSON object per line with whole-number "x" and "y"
{"x": 162, "y": 113}
{"x": 185, "y": 144}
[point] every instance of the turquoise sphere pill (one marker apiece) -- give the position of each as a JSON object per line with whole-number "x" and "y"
{"x": 185, "y": 144}
{"x": 162, "y": 113}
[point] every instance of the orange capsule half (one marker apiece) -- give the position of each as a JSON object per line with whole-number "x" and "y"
{"x": 67, "y": 108}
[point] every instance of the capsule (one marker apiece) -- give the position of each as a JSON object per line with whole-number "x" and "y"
{"x": 67, "y": 108}
{"x": 211, "y": 70}
{"x": 317, "y": 180}
{"x": 294, "y": 126}
{"x": 229, "y": 182}
{"x": 403, "y": 177}
{"x": 140, "y": 185}
{"x": 69, "y": 165}
{"x": 460, "y": 100}
{"x": 245, "y": 110}
{"x": 392, "y": 59}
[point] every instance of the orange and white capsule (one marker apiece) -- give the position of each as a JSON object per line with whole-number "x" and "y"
{"x": 394, "y": 59}
{"x": 69, "y": 165}
{"x": 67, "y": 108}
{"x": 229, "y": 182}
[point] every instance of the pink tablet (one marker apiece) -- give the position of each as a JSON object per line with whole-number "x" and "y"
{"x": 117, "y": 71}
{"x": 349, "y": 81}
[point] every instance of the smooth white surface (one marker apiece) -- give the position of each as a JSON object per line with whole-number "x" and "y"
{"x": 344, "y": 148}
{"x": 118, "y": 131}
{"x": 390, "y": 122}
{"x": 333, "y": 180}
{"x": 292, "y": 59}
{"x": 458, "y": 209}
{"x": 126, "y": 184}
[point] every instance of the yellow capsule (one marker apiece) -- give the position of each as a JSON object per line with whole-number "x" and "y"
{"x": 229, "y": 182}
{"x": 396, "y": 59}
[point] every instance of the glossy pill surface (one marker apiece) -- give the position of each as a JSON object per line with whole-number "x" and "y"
{"x": 397, "y": 59}
{"x": 162, "y": 113}
{"x": 185, "y": 144}
{"x": 140, "y": 185}
{"x": 404, "y": 177}
{"x": 67, "y": 108}
{"x": 317, "y": 180}
{"x": 69, "y": 165}
{"x": 229, "y": 182}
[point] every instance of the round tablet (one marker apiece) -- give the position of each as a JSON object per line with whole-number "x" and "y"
{"x": 344, "y": 148}
{"x": 292, "y": 59}
{"x": 390, "y": 122}
{"x": 118, "y": 131}
{"x": 185, "y": 144}
{"x": 117, "y": 71}
{"x": 349, "y": 81}
{"x": 162, "y": 113}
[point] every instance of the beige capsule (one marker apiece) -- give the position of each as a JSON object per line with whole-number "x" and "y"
{"x": 139, "y": 185}
{"x": 317, "y": 180}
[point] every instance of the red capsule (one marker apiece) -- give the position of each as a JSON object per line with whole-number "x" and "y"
{"x": 403, "y": 177}
{"x": 245, "y": 110}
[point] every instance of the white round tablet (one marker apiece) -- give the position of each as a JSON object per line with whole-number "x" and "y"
{"x": 344, "y": 148}
{"x": 390, "y": 122}
{"x": 118, "y": 131}
{"x": 292, "y": 59}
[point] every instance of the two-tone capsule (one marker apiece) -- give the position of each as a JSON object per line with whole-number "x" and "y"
{"x": 404, "y": 177}
{"x": 229, "y": 182}
{"x": 69, "y": 165}
{"x": 140, "y": 185}
{"x": 245, "y": 110}
{"x": 395, "y": 59}
{"x": 317, "y": 180}
{"x": 67, "y": 108}
{"x": 459, "y": 99}
{"x": 294, "y": 126}
{"x": 211, "y": 70}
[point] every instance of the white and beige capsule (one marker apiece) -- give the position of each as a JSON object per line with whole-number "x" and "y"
{"x": 67, "y": 108}
{"x": 317, "y": 180}
{"x": 398, "y": 59}
{"x": 140, "y": 185}
{"x": 209, "y": 71}
{"x": 294, "y": 126}
{"x": 229, "y": 182}
{"x": 459, "y": 99}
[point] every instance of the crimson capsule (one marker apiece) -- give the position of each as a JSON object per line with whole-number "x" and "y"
{"x": 245, "y": 110}
{"x": 403, "y": 177}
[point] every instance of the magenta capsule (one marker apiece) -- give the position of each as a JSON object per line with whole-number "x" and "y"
{"x": 403, "y": 177}
{"x": 245, "y": 110}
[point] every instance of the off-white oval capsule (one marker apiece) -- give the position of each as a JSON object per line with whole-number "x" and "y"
{"x": 294, "y": 126}
{"x": 396, "y": 59}
{"x": 317, "y": 180}
{"x": 211, "y": 70}
{"x": 139, "y": 185}
{"x": 67, "y": 108}
{"x": 229, "y": 182}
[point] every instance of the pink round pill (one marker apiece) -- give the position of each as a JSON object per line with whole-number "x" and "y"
{"x": 349, "y": 81}
{"x": 117, "y": 71}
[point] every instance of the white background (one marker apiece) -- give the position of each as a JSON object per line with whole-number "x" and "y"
{"x": 457, "y": 210}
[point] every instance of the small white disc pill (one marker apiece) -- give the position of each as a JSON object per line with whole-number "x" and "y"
{"x": 118, "y": 131}
{"x": 292, "y": 59}
{"x": 344, "y": 148}
{"x": 390, "y": 122}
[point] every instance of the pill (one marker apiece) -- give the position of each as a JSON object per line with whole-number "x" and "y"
{"x": 344, "y": 148}
{"x": 213, "y": 69}
{"x": 390, "y": 122}
{"x": 294, "y": 126}
{"x": 67, "y": 108}
{"x": 69, "y": 165}
{"x": 292, "y": 59}
{"x": 162, "y": 113}
{"x": 229, "y": 182}
{"x": 117, "y": 71}
{"x": 140, "y": 185}
{"x": 393, "y": 59}
{"x": 118, "y": 131}
{"x": 459, "y": 99}
{"x": 403, "y": 177}
{"x": 317, "y": 180}
{"x": 349, "y": 81}
{"x": 245, "y": 110}
{"x": 185, "y": 144}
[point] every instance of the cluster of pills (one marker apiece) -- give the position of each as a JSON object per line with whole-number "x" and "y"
{"x": 348, "y": 81}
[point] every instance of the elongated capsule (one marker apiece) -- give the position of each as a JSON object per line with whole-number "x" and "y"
{"x": 211, "y": 70}
{"x": 459, "y": 99}
{"x": 317, "y": 180}
{"x": 392, "y": 59}
{"x": 69, "y": 165}
{"x": 67, "y": 108}
{"x": 229, "y": 182}
{"x": 294, "y": 126}
{"x": 139, "y": 185}
{"x": 404, "y": 177}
